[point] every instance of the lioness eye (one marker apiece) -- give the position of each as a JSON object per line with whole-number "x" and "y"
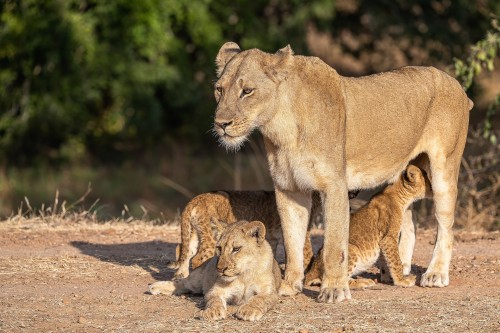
{"x": 219, "y": 89}
{"x": 236, "y": 249}
{"x": 246, "y": 91}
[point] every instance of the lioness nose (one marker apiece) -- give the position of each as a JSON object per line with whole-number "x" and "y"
{"x": 223, "y": 124}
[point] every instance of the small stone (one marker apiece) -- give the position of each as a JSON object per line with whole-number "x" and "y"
{"x": 82, "y": 320}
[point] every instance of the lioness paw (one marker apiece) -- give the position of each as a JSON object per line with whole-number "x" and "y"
{"x": 407, "y": 281}
{"x": 434, "y": 279}
{"x": 161, "y": 287}
{"x": 213, "y": 313}
{"x": 334, "y": 292}
{"x": 249, "y": 313}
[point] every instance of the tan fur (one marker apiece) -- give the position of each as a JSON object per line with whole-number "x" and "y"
{"x": 243, "y": 273}
{"x": 331, "y": 133}
{"x": 375, "y": 228}
{"x": 206, "y": 216}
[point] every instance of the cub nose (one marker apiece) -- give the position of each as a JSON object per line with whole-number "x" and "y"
{"x": 221, "y": 269}
{"x": 223, "y": 124}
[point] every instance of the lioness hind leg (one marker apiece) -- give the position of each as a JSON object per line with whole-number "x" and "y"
{"x": 444, "y": 188}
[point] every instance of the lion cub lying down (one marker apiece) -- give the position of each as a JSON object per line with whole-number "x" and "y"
{"x": 242, "y": 272}
{"x": 206, "y": 216}
{"x": 375, "y": 227}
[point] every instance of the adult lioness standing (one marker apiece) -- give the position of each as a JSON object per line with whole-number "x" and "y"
{"x": 330, "y": 133}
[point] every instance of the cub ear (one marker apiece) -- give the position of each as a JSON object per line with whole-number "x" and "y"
{"x": 226, "y": 53}
{"x": 411, "y": 173}
{"x": 256, "y": 229}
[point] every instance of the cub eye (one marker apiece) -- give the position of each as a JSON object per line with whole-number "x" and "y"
{"x": 236, "y": 249}
{"x": 218, "y": 249}
{"x": 246, "y": 91}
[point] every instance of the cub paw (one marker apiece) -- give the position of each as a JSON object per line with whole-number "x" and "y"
{"x": 288, "y": 290}
{"x": 214, "y": 313}
{"x": 336, "y": 293}
{"x": 313, "y": 282}
{"x": 407, "y": 281}
{"x": 361, "y": 283}
{"x": 249, "y": 313}
{"x": 434, "y": 279}
{"x": 173, "y": 264}
{"x": 162, "y": 287}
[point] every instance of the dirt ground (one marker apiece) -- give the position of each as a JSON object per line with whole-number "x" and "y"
{"x": 93, "y": 278}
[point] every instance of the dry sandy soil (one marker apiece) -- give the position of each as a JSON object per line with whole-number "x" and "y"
{"x": 83, "y": 277}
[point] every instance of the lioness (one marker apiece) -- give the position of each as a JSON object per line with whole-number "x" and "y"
{"x": 243, "y": 272}
{"x": 206, "y": 216}
{"x": 331, "y": 133}
{"x": 375, "y": 227}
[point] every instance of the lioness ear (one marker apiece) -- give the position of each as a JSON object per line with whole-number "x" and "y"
{"x": 287, "y": 50}
{"x": 277, "y": 70}
{"x": 256, "y": 230}
{"x": 226, "y": 53}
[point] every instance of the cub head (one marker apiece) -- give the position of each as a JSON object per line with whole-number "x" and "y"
{"x": 416, "y": 183}
{"x": 240, "y": 245}
{"x": 246, "y": 90}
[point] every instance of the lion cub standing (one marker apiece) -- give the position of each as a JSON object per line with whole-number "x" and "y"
{"x": 207, "y": 215}
{"x": 375, "y": 227}
{"x": 243, "y": 272}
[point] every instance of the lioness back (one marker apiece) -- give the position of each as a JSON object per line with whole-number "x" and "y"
{"x": 207, "y": 215}
{"x": 375, "y": 228}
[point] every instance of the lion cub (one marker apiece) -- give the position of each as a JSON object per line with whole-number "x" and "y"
{"x": 243, "y": 272}
{"x": 375, "y": 227}
{"x": 207, "y": 215}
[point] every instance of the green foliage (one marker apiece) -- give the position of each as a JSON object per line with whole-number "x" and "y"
{"x": 113, "y": 77}
{"x": 108, "y": 79}
{"x": 482, "y": 55}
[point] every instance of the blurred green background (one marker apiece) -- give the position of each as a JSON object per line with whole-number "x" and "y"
{"x": 112, "y": 100}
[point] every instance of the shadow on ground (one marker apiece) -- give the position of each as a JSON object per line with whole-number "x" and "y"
{"x": 151, "y": 256}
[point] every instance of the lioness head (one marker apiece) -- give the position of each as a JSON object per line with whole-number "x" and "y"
{"x": 239, "y": 245}
{"x": 245, "y": 90}
{"x": 415, "y": 182}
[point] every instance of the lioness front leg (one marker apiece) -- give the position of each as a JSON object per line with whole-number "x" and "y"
{"x": 256, "y": 307}
{"x": 294, "y": 209}
{"x": 334, "y": 285}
